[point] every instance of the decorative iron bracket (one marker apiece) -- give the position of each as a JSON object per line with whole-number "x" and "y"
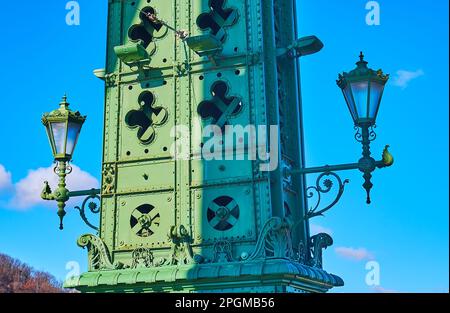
{"x": 93, "y": 194}
{"x": 324, "y": 185}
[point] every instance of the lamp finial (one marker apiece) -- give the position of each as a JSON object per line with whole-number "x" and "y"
{"x": 64, "y": 102}
{"x": 361, "y": 63}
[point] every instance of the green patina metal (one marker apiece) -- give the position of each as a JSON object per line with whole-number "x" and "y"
{"x": 63, "y": 126}
{"x": 192, "y": 225}
{"x": 155, "y": 231}
{"x": 132, "y": 52}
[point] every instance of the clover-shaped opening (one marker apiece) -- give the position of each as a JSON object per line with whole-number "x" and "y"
{"x": 217, "y": 19}
{"x": 146, "y": 118}
{"x": 146, "y": 29}
{"x": 221, "y": 106}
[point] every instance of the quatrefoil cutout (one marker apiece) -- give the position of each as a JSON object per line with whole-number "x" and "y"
{"x": 217, "y": 19}
{"x": 221, "y": 107}
{"x": 146, "y": 30}
{"x": 146, "y": 118}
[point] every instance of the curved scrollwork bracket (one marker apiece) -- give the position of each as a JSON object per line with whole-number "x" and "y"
{"x": 98, "y": 254}
{"x": 92, "y": 206}
{"x": 372, "y": 135}
{"x": 323, "y": 186}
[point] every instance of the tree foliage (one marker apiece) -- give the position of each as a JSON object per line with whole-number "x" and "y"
{"x": 18, "y": 277}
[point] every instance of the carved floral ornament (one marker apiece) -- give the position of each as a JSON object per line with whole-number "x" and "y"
{"x": 274, "y": 241}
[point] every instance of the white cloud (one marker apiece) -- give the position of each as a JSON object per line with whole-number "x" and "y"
{"x": 27, "y": 192}
{"x": 354, "y": 254}
{"x": 317, "y": 229}
{"x": 403, "y": 77}
{"x": 5, "y": 179}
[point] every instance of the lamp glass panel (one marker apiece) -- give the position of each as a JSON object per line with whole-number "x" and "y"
{"x": 376, "y": 91}
{"x": 59, "y": 132}
{"x": 73, "y": 132}
{"x": 50, "y": 137}
{"x": 360, "y": 90}
{"x": 349, "y": 99}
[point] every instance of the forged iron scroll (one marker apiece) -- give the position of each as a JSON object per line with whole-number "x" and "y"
{"x": 98, "y": 254}
{"x": 181, "y": 252}
{"x": 324, "y": 185}
{"x": 318, "y": 243}
{"x": 274, "y": 240}
{"x": 372, "y": 134}
{"x": 57, "y": 170}
{"x": 92, "y": 206}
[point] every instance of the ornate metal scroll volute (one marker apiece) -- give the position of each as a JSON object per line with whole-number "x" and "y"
{"x": 92, "y": 201}
{"x": 274, "y": 240}
{"x": 317, "y": 244}
{"x": 323, "y": 186}
{"x": 98, "y": 255}
{"x": 181, "y": 252}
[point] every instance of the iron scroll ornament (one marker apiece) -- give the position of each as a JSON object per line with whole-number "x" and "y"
{"x": 359, "y": 136}
{"x": 323, "y": 186}
{"x": 92, "y": 206}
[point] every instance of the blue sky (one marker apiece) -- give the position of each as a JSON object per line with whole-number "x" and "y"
{"x": 405, "y": 229}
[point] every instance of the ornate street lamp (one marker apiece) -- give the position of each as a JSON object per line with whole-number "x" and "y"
{"x": 63, "y": 127}
{"x": 363, "y": 89}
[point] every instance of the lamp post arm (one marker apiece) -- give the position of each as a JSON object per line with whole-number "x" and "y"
{"x": 82, "y": 193}
{"x": 325, "y": 169}
{"x": 386, "y": 161}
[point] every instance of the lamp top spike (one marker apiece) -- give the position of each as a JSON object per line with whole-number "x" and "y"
{"x": 361, "y": 62}
{"x": 64, "y": 102}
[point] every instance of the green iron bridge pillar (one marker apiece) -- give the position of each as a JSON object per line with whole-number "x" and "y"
{"x": 187, "y": 76}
